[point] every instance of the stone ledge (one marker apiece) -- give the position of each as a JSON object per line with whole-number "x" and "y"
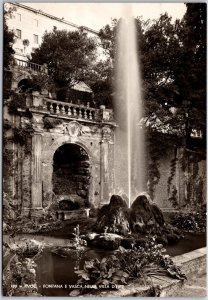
{"x": 72, "y": 214}
{"x": 191, "y": 262}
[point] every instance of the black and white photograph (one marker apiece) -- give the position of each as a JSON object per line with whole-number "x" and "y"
{"x": 104, "y": 149}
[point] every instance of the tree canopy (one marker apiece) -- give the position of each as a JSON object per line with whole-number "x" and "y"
{"x": 8, "y": 52}
{"x": 173, "y": 61}
{"x": 68, "y": 55}
{"x": 8, "y": 41}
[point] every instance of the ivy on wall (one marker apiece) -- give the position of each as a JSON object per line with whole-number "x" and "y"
{"x": 16, "y": 101}
{"x": 157, "y": 146}
{"x": 50, "y": 123}
{"x": 173, "y": 164}
{"x": 173, "y": 198}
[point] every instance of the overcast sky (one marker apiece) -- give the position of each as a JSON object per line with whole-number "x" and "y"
{"x": 97, "y": 15}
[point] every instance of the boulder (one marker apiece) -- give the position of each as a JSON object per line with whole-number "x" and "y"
{"x": 146, "y": 216}
{"x": 141, "y": 215}
{"x": 113, "y": 217}
{"x": 106, "y": 241}
{"x": 157, "y": 213}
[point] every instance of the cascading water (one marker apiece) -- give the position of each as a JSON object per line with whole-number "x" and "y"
{"x": 129, "y": 137}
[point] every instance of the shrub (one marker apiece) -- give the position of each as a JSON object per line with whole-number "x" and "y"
{"x": 141, "y": 263}
{"x": 19, "y": 268}
{"x": 191, "y": 221}
{"x": 50, "y": 123}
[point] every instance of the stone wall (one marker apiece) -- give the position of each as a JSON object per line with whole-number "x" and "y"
{"x": 32, "y": 180}
{"x": 29, "y": 176}
{"x": 187, "y": 187}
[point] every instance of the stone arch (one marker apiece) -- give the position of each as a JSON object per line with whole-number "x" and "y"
{"x": 23, "y": 85}
{"x": 18, "y": 77}
{"x": 71, "y": 179}
{"x": 67, "y": 140}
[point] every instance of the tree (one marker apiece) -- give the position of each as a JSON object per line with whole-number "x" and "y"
{"x": 159, "y": 46}
{"x": 68, "y": 55}
{"x": 8, "y": 41}
{"x": 191, "y": 72}
{"x": 173, "y": 61}
{"x": 8, "y": 52}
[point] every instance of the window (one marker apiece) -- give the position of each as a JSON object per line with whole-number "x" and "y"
{"x": 18, "y": 33}
{"x": 36, "y": 22}
{"x": 35, "y": 38}
{"x": 18, "y": 17}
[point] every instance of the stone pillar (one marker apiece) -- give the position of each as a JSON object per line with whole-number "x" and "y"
{"x": 106, "y": 164}
{"x": 104, "y": 173}
{"x": 36, "y": 189}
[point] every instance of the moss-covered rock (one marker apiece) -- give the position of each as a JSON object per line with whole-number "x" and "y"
{"x": 113, "y": 217}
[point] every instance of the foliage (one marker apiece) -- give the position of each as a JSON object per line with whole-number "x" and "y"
{"x": 78, "y": 243}
{"x": 191, "y": 221}
{"x": 174, "y": 99}
{"x": 8, "y": 51}
{"x": 14, "y": 223}
{"x": 50, "y": 123}
{"x": 38, "y": 81}
{"x": 9, "y": 213}
{"x": 157, "y": 145}
{"x": 16, "y": 101}
{"x": 191, "y": 70}
{"x": 173, "y": 197}
{"x": 101, "y": 83}
{"x": 172, "y": 169}
{"x": 21, "y": 134}
{"x": 19, "y": 268}
{"x": 68, "y": 55}
{"x": 143, "y": 262}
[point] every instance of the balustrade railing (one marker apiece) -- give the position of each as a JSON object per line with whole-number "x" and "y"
{"x": 71, "y": 110}
{"x": 31, "y": 66}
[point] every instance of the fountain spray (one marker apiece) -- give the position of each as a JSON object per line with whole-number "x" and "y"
{"x": 129, "y": 137}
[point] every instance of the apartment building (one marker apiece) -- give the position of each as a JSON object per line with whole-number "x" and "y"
{"x": 29, "y": 26}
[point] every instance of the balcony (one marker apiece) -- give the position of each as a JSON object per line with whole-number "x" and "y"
{"x": 71, "y": 110}
{"x": 67, "y": 110}
{"x": 26, "y": 65}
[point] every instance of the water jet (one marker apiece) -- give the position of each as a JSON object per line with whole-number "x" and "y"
{"x": 129, "y": 136}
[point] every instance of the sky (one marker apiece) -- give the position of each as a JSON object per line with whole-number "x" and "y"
{"x": 97, "y": 15}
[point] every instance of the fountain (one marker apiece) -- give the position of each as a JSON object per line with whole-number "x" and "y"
{"x": 129, "y": 136}
{"x": 116, "y": 225}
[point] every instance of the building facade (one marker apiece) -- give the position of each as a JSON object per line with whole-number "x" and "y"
{"x": 29, "y": 26}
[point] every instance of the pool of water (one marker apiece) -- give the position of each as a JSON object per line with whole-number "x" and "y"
{"x": 56, "y": 270}
{"x": 191, "y": 241}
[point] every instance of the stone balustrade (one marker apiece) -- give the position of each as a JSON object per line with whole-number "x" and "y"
{"x": 31, "y": 66}
{"x": 71, "y": 110}
{"x": 38, "y": 103}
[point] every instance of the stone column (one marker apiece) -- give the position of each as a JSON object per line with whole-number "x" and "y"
{"x": 36, "y": 189}
{"x": 106, "y": 164}
{"x": 104, "y": 173}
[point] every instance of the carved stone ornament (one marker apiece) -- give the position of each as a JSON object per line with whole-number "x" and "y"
{"x": 107, "y": 134}
{"x": 74, "y": 129}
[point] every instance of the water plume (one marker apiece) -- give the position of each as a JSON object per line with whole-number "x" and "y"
{"x": 129, "y": 137}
